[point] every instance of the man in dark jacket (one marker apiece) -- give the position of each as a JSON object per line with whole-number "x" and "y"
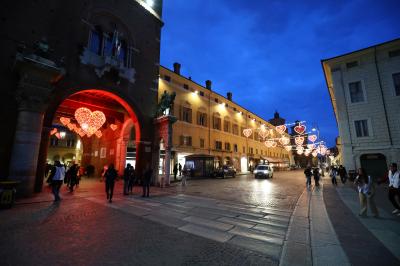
{"x": 110, "y": 175}
{"x": 342, "y": 173}
{"x": 146, "y": 180}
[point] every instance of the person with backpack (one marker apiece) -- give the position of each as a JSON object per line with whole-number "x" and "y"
{"x": 72, "y": 174}
{"x": 308, "y": 175}
{"x": 110, "y": 176}
{"x": 366, "y": 193}
{"x": 57, "y": 180}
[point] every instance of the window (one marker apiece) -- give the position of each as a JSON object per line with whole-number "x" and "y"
{"x": 227, "y": 146}
{"x": 70, "y": 143}
{"x": 216, "y": 100}
{"x": 396, "y": 82}
{"x": 256, "y": 151}
{"x": 186, "y": 114}
{"x": 241, "y": 131}
{"x": 202, "y": 119}
{"x": 95, "y": 41}
{"x": 356, "y": 92}
{"x": 394, "y": 53}
{"x": 235, "y": 147}
{"x": 201, "y": 93}
{"x": 186, "y": 140}
{"x": 218, "y": 145}
{"x": 201, "y": 143}
{"x": 186, "y": 87}
{"x": 167, "y": 78}
{"x": 227, "y": 126}
{"x": 216, "y": 123}
{"x": 235, "y": 129}
{"x": 361, "y": 128}
{"x": 351, "y": 64}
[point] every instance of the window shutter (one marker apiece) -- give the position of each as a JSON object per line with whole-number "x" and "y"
{"x": 181, "y": 140}
{"x": 180, "y": 112}
{"x": 190, "y": 115}
{"x": 198, "y": 118}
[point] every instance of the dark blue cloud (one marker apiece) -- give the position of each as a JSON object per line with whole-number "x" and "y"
{"x": 268, "y": 52}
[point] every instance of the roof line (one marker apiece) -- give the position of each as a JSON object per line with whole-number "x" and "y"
{"x": 362, "y": 49}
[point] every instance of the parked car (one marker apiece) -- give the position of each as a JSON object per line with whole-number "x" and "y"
{"x": 263, "y": 171}
{"x": 225, "y": 171}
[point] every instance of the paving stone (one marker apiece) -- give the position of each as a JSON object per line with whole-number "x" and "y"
{"x": 165, "y": 220}
{"x": 263, "y": 247}
{"x": 206, "y": 232}
{"x": 257, "y": 234}
{"x": 262, "y": 221}
{"x": 295, "y": 253}
{"x": 208, "y": 223}
{"x": 299, "y": 234}
{"x": 270, "y": 229}
{"x": 238, "y": 222}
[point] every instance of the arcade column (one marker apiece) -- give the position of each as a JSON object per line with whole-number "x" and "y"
{"x": 34, "y": 88}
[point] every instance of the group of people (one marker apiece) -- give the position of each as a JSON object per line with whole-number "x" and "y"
{"x": 177, "y": 167}
{"x": 57, "y": 174}
{"x": 365, "y": 187}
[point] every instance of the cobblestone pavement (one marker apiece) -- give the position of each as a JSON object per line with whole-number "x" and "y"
{"x": 238, "y": 221}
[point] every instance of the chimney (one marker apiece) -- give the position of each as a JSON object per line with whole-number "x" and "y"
{"x": 177, "y": 68}
{"x": 229, "y": 96}
{"x": 208, "y": 84}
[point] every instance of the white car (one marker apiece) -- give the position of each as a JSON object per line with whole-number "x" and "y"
{"x": 263, "y": 171}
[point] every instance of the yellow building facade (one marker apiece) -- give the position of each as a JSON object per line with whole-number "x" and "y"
{"x": 209, "y": 123}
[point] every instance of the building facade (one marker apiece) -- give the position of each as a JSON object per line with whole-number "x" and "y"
{"x": 364, "y": 87}
{"x": 60, "y": 59}
{"x": 209, "y": 123}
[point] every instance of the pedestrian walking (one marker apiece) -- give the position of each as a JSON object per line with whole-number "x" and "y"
{"x": 394, "y": 187}
{"x": 342, "y": 173}
{"x": 72, "y": 174}
{"x": 366, "y": 193}
{"x": 316, "y": 176}
{"x": 180, "y": 169}
{"x": 146, "y": 180}
{"x": 333, "y": 174}
{"x": 110, "y": 176}
{"x": 308, "y": 174}
{"x": 132, "y": 180}
{"x": 127, "y": 176}
{"x": 175, "y": 171}
{"x": 186, "y": 172}
{"x": 57, "y": 180}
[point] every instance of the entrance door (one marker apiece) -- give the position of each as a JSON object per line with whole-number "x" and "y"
{"x": 374, "y": 164}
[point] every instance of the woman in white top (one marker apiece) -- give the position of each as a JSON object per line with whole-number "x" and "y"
{"x": 366, "y": 192}
{"x": 394, "y": 187}
{"x": 57, "y": 181}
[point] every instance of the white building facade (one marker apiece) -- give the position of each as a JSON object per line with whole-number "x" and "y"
{"x": 364, "y": 87}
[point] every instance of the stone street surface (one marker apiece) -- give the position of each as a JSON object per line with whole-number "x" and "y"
{"x": 233, "y": 221}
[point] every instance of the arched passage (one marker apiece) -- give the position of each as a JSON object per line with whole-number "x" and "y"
{"x": 107, "y": 143}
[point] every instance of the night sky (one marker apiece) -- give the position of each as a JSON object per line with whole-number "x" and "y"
{"x": 268, "y": 52}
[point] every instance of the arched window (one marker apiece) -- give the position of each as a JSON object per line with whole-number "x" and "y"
{"x": 202, "y": 116}
{"x": 217, "y": 121}
{"x": 185, "y": 113}
{"x": 227, "y": 124}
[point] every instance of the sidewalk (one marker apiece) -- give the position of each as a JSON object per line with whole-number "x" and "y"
{"x": 325, "y": 229}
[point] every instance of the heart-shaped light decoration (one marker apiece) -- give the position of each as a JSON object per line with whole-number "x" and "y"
{"x": 288, "y": 148}
{"x": 270, "y": 143}
{"x": 300, "y": 129}
{"x": 299, "y": 140}
{"x": 312, "y": 138}
{"x": 53, "y": 131}
{"x": 79, "y": 131}
{"x": 263, "y": 132}
{"x": 299, "y": 152}
{"x": 281, "y": 129}
{"x": 113, "y": 127}
{"x": 284, "y": 140}
{"x": 311, "y": 146}
{"x": 247, "y": 132}
{"x": 65, "y": 121}
{"x": 71, "y": 126}
{"x": 98, "y": 134}
{"x": 89, "y": 121}
{"x": 58, "y": 135}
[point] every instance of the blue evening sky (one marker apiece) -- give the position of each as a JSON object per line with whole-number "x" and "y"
{"x": 268, "y": 52}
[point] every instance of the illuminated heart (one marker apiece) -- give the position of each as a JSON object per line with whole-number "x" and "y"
{"x": 98, "y": 134}
{"x": 300, "y": 129}
{"x": 53, "y": 131}
{"x": 312, "y": 138}
{"x": 247, "y": 132}
{"x": 89, "y": 121}
{"x": 270, "y": 143}
{"x": 58, "y": 135}
{"x": 65, "y": 121}
{"x": 288, "y": 148}
{"x": 79, "y": 131}
{"x": 281, "y": 129}
{"x": 113, "y": 127}
{"x": 284, "y": 140}
{"x": 299, "y": 140}
{"x": 263, "y": 132}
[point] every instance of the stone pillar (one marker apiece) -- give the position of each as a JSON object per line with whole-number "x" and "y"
{"x": 164, "y": 132}
{"x": 41, "y": 165}
{"x": 120, "y": 156}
